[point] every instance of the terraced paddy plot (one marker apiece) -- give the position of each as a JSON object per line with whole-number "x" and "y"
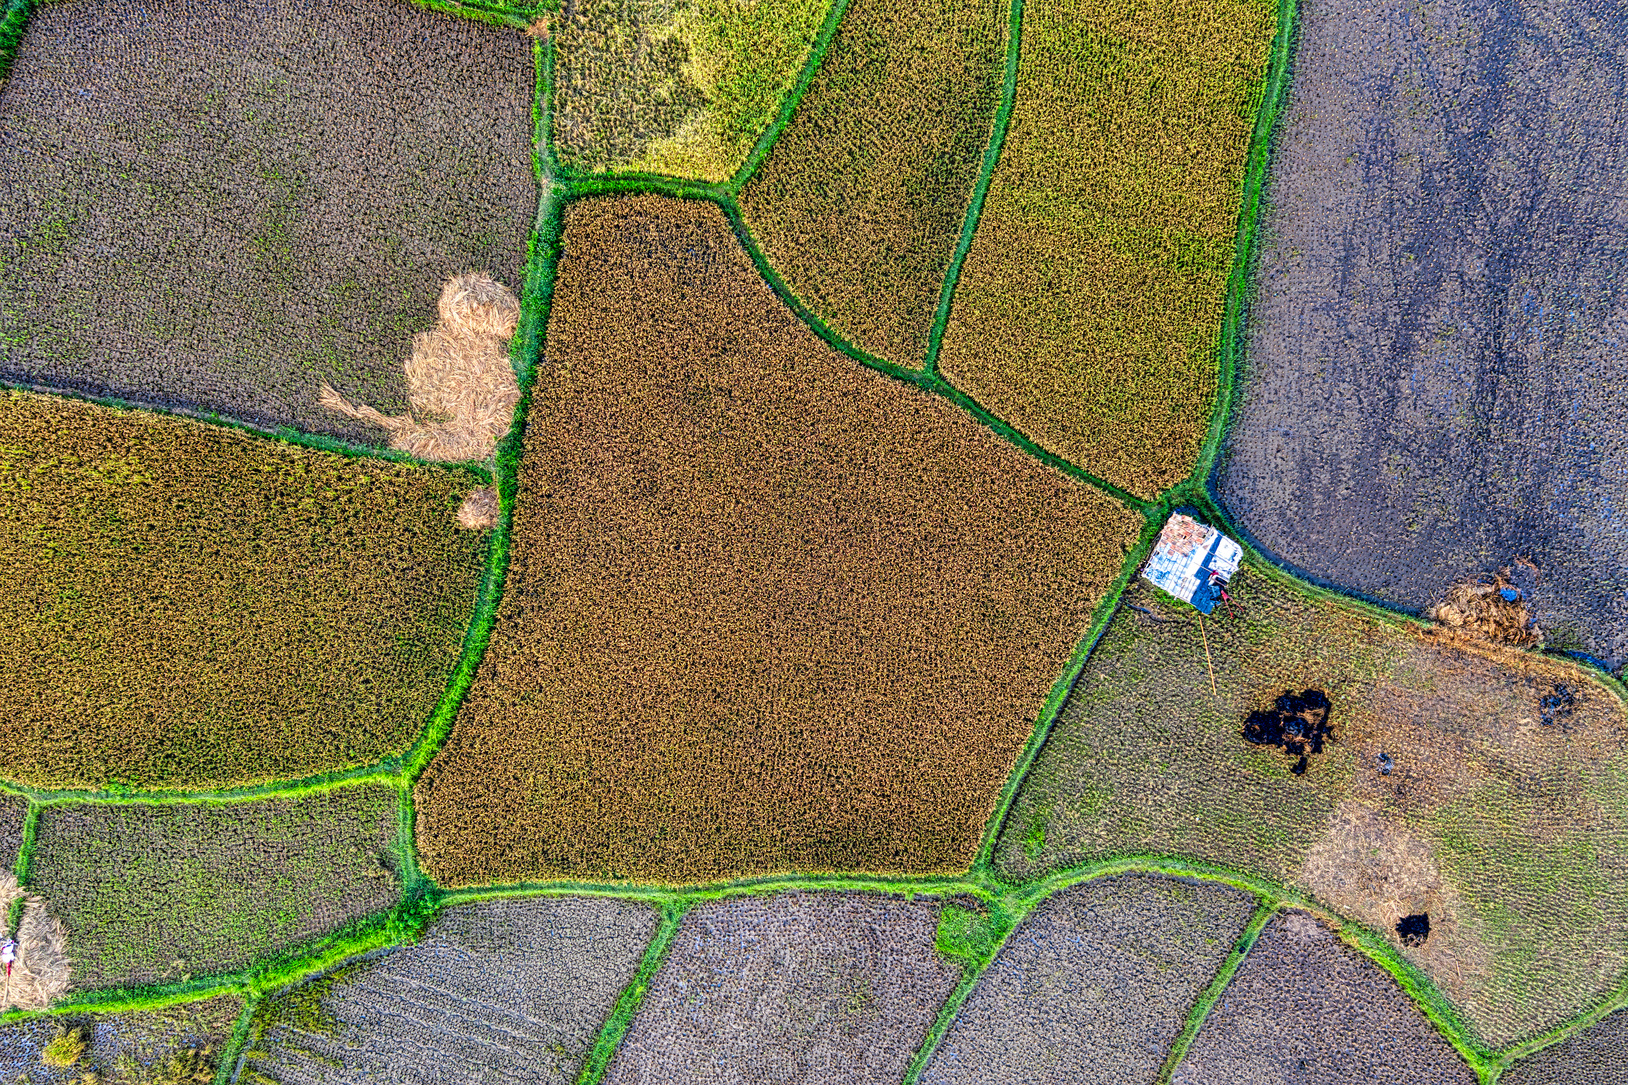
{"x": 823, "y": 989}
{"x": 677, "y": 87}
{"x": 145, "y": 1047}
{"x": 1305, "y": 1009}
{"x": 1435, "y": 385}
{"x": 1597, "y": 1055}
{"x": 1087, "y": 311}
{"x": 165, "y": 893}
{"x": 189, "y": 606}
{"x": 1094, "y": 985}
{"x": 859, "y": 204}
{"x": 767, "y": 610}
{"x": 254, "y": 199}
{"x": 1440, "y": 790}
{"x": 513, "y": 990}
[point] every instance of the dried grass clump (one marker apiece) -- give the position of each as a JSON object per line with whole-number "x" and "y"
{"x": 459, "y": 380}
{"x": 1479, "y": 608}
{"x": 40, "y": 974}
{"x": 479, "y": 510}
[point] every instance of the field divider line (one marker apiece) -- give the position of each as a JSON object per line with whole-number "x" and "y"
{"x": 12, "y": 24}
{"x": 598, "y": 1058}
{"x": 792, "y": 99}
{"x": 382, "y": 772}
{"x": 25, "y": 856}
{"x": 980, "y": 187}
{"x": 970, "y": 975}
{"x": 685, "y": 896}
{"x": 1200, "y": 1012}
{"x": 1058, "y": 698}
{"x": 637, "y": 184}
{"x": 233, "y": 1054}
{"x": 484, "y": 11}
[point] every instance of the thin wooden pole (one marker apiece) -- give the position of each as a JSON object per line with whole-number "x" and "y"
{"x": 1207, "y": 661}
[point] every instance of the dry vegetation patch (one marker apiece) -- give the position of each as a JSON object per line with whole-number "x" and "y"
{"x": 1087, "y": 312}
{"x": 1304, "y": 1009}
{"x": 1435, "y": 384}
{"x": 681, "y": 87}
{"x": 1094, "y": 986}
{"x": 1450, "y": 787}
{"x": 767, "y": 610}
{"x": 189, "y": 606}
{"x": 859, "y": 204}
{"x": 146, "y": 1047}
{"x": 39, "y": 974}
{"x": 819, "y": 989}
{"x": 509, "y": 990}
{"x": 165, "y": 893}
{"x": 253, "y": 199}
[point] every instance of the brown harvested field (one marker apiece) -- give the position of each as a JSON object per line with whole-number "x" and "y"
{"x": 501, "y": 991}
{"x": 816, "y": 989}
{"x": 1435, "y": 385}
{"x": 1087, "y": 312}
{"x": 187, "y": 606}
{"x": 859, "y": 204}
{"x": 679, "y": 87}
{"x": 1598, "y": 1055}
{"x": 133, "y": 1048}
{"x": 1304, "y": 1009}
{"x": 167, "y": 892}
{"x": 767, "y": 610}
{"x": 1094, "y": 986}
{"x": 13, "y": 809}
{"x": 1484, "y": 787}
{"x": 254, "y": 198}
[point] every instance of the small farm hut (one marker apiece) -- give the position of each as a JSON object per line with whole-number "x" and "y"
{"x": 1193, "y": 561}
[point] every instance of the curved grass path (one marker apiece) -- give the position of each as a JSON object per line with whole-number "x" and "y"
{"x": 1009, "y": 903}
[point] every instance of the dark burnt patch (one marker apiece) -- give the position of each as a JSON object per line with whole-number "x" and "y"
{"x": 1298, "y": 722}
{"x": 1413, "y": 929}
{"x": 1557, "y": 706}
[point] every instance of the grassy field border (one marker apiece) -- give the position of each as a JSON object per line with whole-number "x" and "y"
{"x": 598, "y": 1058}
{"x": 1264, "y": 911}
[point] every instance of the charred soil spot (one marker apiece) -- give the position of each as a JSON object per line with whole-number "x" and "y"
{"x": 1557, "y": 706}
{"x": 1413, "y": 929}
{"x": 1297, "y": 722}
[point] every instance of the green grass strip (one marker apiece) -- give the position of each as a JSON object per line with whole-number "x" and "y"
{"x": 481, "y": 11}
{"x": 947, "y": 1012}
{"x": 1212, "y": 993}
{"x": 980, "y": 188}
{"x": 793, "y": 98}
{"x": 413, "y": 882}
{"x": 383, "y": 771}
{"x": 1230, "y": 345}
{"x": 231, "y": 1056}
{"x": 12, "y": 24}
{"x": 25, "y": 856}
{"x": 1058, "y": 696}
{"x": 684, "y": 896}
{"x": 621, "y": 1016}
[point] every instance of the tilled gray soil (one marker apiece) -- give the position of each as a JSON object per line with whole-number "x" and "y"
{"x": 119, "y": 1043}
{"x": 503, "y": 991}
{"x": 1305, "y": 1009}
{"x": 1437, "y": 379}
{"x": 1094, "y": 985}
{"x": 215, "y": 207}
{"x": 796, "y": 989}
{"x": 1595, "y": 1056}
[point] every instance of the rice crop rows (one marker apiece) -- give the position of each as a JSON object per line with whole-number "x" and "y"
{"x": 859, "y": 204}
{"x": 1306, "y": 1008}
{"x": 253, "y": 198}
{"x": 1088, "y": 309}
{"x": 509, "y": 990}
{"x": 1449, "y": 787}
{"x": 767, "y": 610}
{"x": 169, "y": 892}
{"x": 816, "y": 988}
{"x": 678, "y": 87}
{"x": 188, "y": 606}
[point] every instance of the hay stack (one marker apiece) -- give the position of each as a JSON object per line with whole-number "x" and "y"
{"x": 1478, "y": 607}
{"x": 460, "y": 384}
{"x": 40, "y": 975}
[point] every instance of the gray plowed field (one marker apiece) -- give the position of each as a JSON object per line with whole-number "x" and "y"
{"x": 1595, "y": 1056}
{"x": 1437, "y": 376}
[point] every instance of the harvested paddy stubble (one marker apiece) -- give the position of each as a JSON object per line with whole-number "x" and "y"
{"x": 1450, "y": 787}
{"x": 767, "y": 610}
{"x": 817, "y": 989}
{"x": 13, "y": 810}
{"x": 513, "y": 990}
{"x": 254, "y": 198}
{"x": 1306, "y": 1010}
{"x": 859, "y": 204}
{"x": 1087, "y": 311}
{"x": 680, "y": 87}
{"x": 121, "y": 1048}
{"x": 1094, "y": 986}
{"x": 163, "y": 893}
{"x": 1596, "y": 1056}
{"x": 187, "y": 606}
{"x": 1435, "y": 385}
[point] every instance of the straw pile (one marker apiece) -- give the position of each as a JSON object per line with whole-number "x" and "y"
{"x": 1479, "y": 607}
{"x": 40, "y": 974}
